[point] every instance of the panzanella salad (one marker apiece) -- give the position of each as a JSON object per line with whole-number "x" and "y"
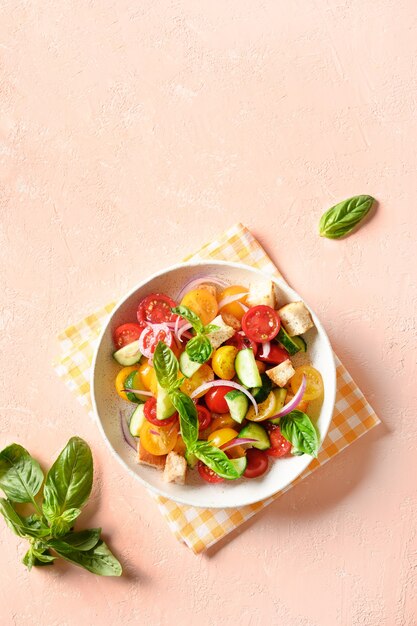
{"x": 213, "y": 381}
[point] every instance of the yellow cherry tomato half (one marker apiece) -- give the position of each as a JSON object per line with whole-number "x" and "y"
{"x": 180, "y": 447}
{"x": 219, "y": 437}
{"x": 202, "y": 303}
{"x": 234, "y": 308}
{"x": 148, "y": 377}
{"x": 221, "y": 421}
{"x": 203, "y": 375}
{"x": 158, "y": 440}
{"x": 314, "y": 388}
{"x": 223, "y": 362}
{"x": 266, "y": 409}
{"x": 121, "y": 377}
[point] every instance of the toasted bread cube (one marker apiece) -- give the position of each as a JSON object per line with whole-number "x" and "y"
{"x": 231, "y": 321}
{"x": 261, "y": 293}
{"x": 153, "y": 460}
{"x": 217, "y": 337}
{"x": 175, "y": 469}
{"x": 282, "y": 373}
{"x": 296, "y": 318}
{"x": 209, "y": 288}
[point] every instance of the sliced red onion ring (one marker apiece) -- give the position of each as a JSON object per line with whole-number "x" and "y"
{"x": 128, "y": 437}
{"x": 139, "y": 391}
{"x": 226, "y": 383}
{"x": 237, "y": 441}
{"x": 182, "y": 331}
{"x": 229, "y": 299}
{"x": 291, "y": 405}
{"x": 154, "y": 432}
{"x": 193, "y": 284}
{"x": 266, "y": 349}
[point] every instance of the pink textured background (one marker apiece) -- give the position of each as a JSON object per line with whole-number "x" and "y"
{"x": 131, "y": 133}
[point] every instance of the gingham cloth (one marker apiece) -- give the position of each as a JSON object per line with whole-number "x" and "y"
{"x": 201, "y": 528}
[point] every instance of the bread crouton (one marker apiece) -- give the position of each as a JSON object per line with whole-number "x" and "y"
{"x": 282, "y": 373}
{"x": 261, "y": 292}
{"x": 146, "y": 458}
{"x": 209, "y": 288}
{"x": 296, "y": 318}
{"x": 231, "y": 321}
{"x": 224, "y": 332}
{"x": 175, "y": 469}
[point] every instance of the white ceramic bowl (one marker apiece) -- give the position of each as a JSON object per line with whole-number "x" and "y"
{"x": 107, "y": 404}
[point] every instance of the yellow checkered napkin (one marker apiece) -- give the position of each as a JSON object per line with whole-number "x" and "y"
{"x": 201, "y": 528}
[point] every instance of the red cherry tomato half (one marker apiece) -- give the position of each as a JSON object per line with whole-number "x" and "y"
{"x": 261, "y": 323}
{"x": 241, "y": 341}
{"x": 204, "y": 417}
{"x": 215, "y": 399}
{"x": 276, "y": 355}
{"x": 152, "y": 337}
{"x": 125, "y": 334}
{"x": 279, "y": 445}
{"x": 149, "y": 411}
{"x": 257, "y": 463}
{"x": 156, "y": 308}
{"x": 207, "y": 474}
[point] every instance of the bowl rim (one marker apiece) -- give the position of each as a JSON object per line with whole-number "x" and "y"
{"x": 279, "y": 280}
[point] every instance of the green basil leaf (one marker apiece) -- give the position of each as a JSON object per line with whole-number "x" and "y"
{"x": 188, "y": 417}
{"x": 69, "y": 481}
{"x": 298, "y": 429}
{"x": 21, "y": 476}
{"x": 18, "y": 524}
{"x": 215, "y": 459}
{"x": 210, "y": 328}
{"x": 35, "y": 557}
{"x": 342, "y": 218}
{"x": 62, "y": 524}
{"x": 83, "y": 540}
{"x": 166, "y": 365}
{"x": 176, "y": 385}
{"x": 190, "y": 316}
{"x": 199, "y": 349}
{"x": 99, "y": 560}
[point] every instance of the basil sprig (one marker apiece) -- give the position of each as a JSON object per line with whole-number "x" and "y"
{"x": 166, "y": 370}
{"x": 342, "y": 218}
{"x": 199, "y": 348}
{"x": 67, "y": 488}
{"x": 298, "y": 429}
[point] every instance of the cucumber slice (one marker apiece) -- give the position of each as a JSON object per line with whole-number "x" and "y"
{"x": 288, "y": 342}
{"x": 191, "y": 459}
{"x": 240, "y": 464}
{"x": 164, "y": 406}
{"x": 246, "y": 368}
{"x": 238, "y": 405}
{"x": 261, "y": 393}
{"x": 187, "y": 366}
{"x": 128, "y": 355}
{"x": 300, "y": 342}
{"x": 136, "y": 420}
{"x": 256, "y": 431}
{"x": 280, "y": 395}
{"x": 132, "y": 382}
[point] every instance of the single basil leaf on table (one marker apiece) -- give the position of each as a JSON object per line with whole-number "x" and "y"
{"x": 199, "y": 349}
{"x": 166, "y": 365}
{"x": 21, "y": 476}
{"x": 215, "y": 459}
{"x": 190, "y": 316}
{"x": 188, "y": 417}
{"x": 83, "y": 540}
{"x": 298, "y": 429}
{"x": 342, "y": 218}
{"x": 69, "y": 481}
{"x": 99, "y": 560}
{"x": 19, "y": 525}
